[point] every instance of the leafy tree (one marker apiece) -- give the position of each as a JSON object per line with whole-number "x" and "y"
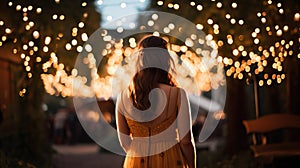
{"x": 258, "y": 41}
{"x": 36, "y": 32}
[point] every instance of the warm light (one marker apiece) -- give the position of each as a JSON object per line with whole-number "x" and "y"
{"x": 210, "y": 21}
{"x": 8, "y": 30}
{"x": 36, "y": 34}
{"x": 18, "y": 7}
{"x": 79, "y": 49}
{"x": 199, "y": 26}
{"x": 84, "y": 4}
{"x": 80, "y": 24}
{"x": 150, "y": 23}
{"x": 199, "y": 7}
{"x": 234, "y": 5}
{"x": 61, "y": 17}
{"x": 235, "y": 52}
{"x": 279, "y": 32}
{"x": 39, "y": 10}
{"x": 45, "y": 49}
{"x": 227, "y": 16}
{"x": 297, "y": 17}
{"x": 176, "y": 6}
{"x": 84, "y": 37}
{"x": 47, "y": 40}
{"x": 68, "y": 46}
{"x": 74, "y": 42}
{"x": 160, "y": 3}
{"x": 241, "y": 22}
{"x": 54, "y": 17}
{"x": 88, "y": 48}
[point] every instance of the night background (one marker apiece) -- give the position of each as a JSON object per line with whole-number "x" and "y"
{"x": 253, "y": 54}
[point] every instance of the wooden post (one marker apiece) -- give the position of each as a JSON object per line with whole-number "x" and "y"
{"x": 256, "y": 98}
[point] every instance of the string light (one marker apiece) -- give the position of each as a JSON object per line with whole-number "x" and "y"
{"x": 257, "y": 54}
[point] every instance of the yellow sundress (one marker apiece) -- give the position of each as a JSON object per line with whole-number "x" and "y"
{"x": 151, "y": 147}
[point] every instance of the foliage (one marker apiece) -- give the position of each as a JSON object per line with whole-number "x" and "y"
{"x": 31, "y": 31}
{"x": 254, "y": 37}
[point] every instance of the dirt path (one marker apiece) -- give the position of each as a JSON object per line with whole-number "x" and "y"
{"x": 85, "y": 156}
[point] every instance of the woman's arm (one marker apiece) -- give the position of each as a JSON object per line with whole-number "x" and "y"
{"x": 122, "y": 127}
{"x": 184, "y": 123}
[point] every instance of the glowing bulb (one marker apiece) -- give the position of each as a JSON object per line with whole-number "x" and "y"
{"x": 8, "y": 30}
{"x": 88, "y": 48}
{"x": 170, "y": 5}
{"x": 219, "y": 5}
{"x": 3, "y": 38}
{"x": 199, "y": 26}
{"x": 227, "y": 16}
{"x": 261, "y": 82}
{"x": 84, "y": 4}
{"x": 18, "y": 7}
{"x": 279, "y": 32}
{"x": 150, "y": 23}
{"x": 39, "y": 10}
{"x": 54, "y": 17}
{"x": 47, "y": 40}
{"x": 154, "y": 16}
{"x": 199, "y": 7}
{"x": 31, "y": 43}
{"x": 68, "y": 46}
{"x": 297, "y": 17}
{"x": 241, "y": 22}
{"x": 79, "y": 49}
{"x": 38, "y": 59}
{"x": 210, "y": 21}
{"x": 166, "y": 30}
{"x": 120, "y": 29}
{"x": 171, "y": 26}
{"x": 25, "y": 47}
{"x": 36, "y": 34}
{"x": 176, "y": 6}
{"x": 160, "y": 3}
{"x": 80, "y": 24}
{"x": 232, "y": 21}
{"x": 61, "y": 17}
{"x": 234, "y": 5}
{"x": 235, "y": 52}
{"x": 281, "y": 11}
{"x": 74, "y": 42}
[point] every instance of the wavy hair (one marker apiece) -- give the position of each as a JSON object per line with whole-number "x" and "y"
{"x": 150, "y": 77}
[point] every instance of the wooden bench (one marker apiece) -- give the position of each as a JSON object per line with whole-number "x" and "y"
{"x": 266, "y": 124}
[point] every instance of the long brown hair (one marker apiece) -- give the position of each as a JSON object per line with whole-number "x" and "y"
{"x": 149, "y": 78}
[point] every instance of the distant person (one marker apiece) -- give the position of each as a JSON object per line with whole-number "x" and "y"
{"x": 59, "y": 125}
{"x": 73, "y": 127}
{"x": 155, "y": 133}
